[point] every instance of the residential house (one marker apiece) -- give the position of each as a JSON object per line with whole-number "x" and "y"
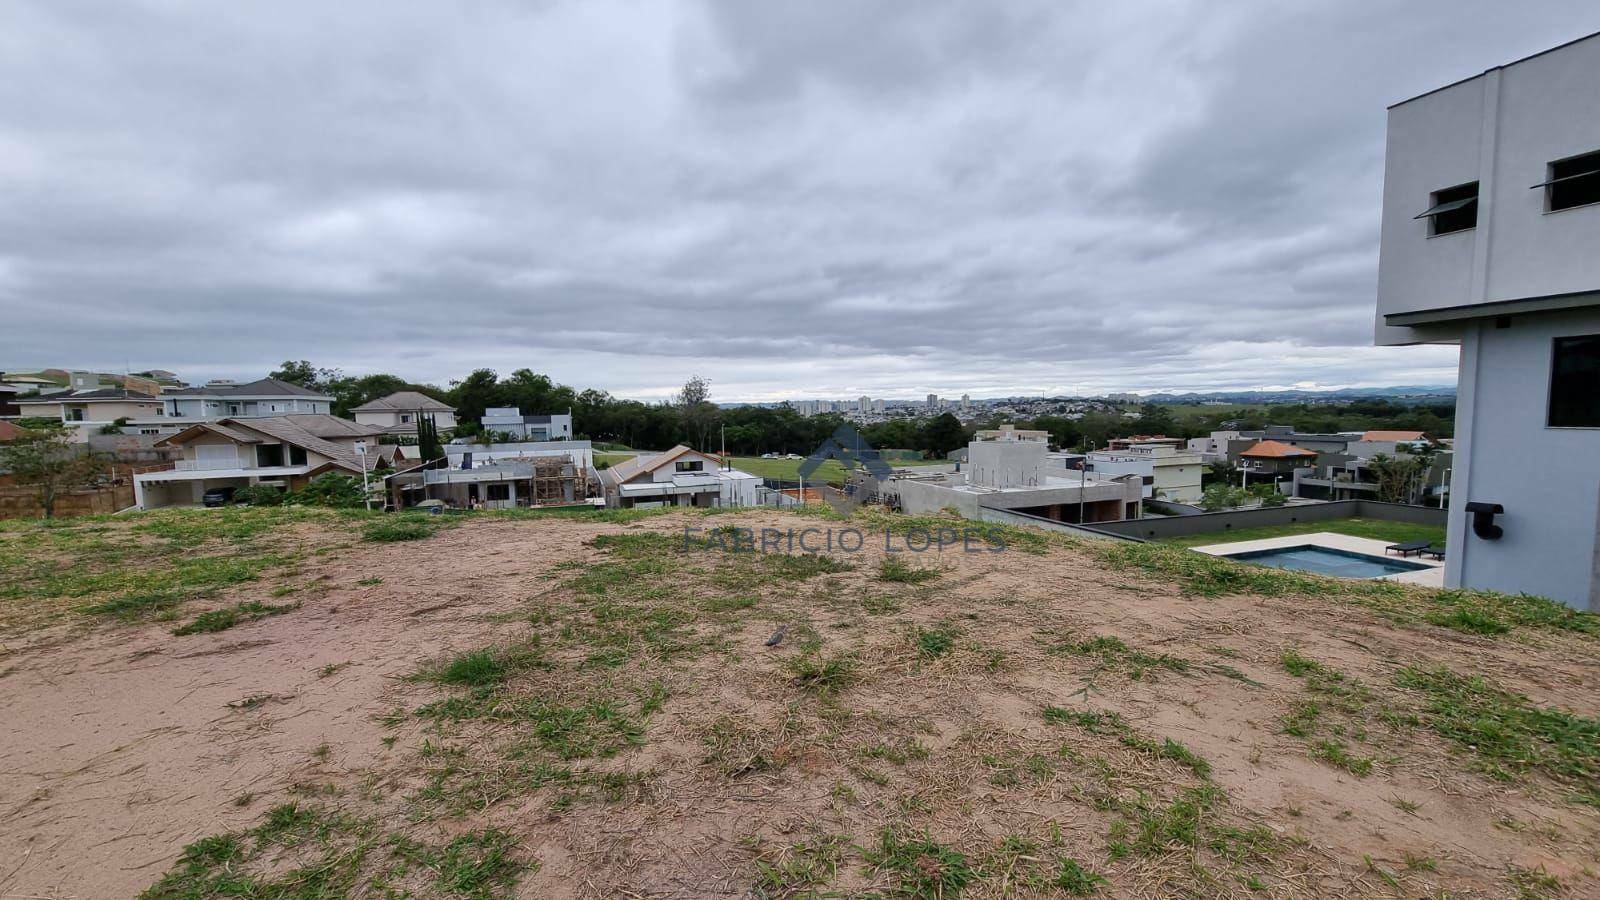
{"x": 1491, "y": 217}
{"x": 542, "y": 427}
{"x": 1165, "y": 471}
{"x": 227, "y": 399}
{"x": 284, "y": 451}
{"x": 1214, "y": 448}
{"x": 8, "y": 400}
{"x": 501, "y": 476}
{"x": 678, "y": 477}
{"x": 398, "y": 413}
{"x": 1007, "y": 472}
{"x": 92, "y": 409}
{"x": 1271, "y": 461}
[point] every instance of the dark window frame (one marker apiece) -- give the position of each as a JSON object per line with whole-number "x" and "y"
{"x": 1456, "y": 220}
{"x": 1573, "y": 181}
{"x": 691, "y": 465}
{"x": 1576, "y": 417}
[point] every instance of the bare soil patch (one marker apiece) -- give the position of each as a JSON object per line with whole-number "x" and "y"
{"x": 557, "y": 707}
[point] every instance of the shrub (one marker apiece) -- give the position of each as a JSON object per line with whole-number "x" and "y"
{"x": 332, "y": 489}
{"x": 261, "y": 495}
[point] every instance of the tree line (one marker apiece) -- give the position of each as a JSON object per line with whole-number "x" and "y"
{"x": 692, "y": 418}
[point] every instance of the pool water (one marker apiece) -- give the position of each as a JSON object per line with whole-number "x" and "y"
{"x": 1328, "y": 561}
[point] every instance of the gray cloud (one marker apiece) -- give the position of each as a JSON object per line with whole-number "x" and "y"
{"x": 794, "y": 199}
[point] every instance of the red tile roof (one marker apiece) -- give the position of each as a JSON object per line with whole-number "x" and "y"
{"x": 9, "y": 431}
{"x": 1394, "y": 436}
{"x": 1276, "y": 450}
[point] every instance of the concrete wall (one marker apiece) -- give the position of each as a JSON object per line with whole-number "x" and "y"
{"x": 1009, "y": 517}
{"x": 1219, "y": 523}
{"x": 1005, "y": 464}
{"x": 1501, "y": 129}
{"x": 21, "y": 502}
{"x": 1548, "y": 479}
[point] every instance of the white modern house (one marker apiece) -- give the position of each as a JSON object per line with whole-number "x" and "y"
{"x": 541, "y": 427}
{"x": 398, "y": 413}
{"x": 1491, "y": 234}
{"x": 1166, "y": 472}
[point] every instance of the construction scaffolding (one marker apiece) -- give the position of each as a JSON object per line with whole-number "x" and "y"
{"x": 552, "y": 479}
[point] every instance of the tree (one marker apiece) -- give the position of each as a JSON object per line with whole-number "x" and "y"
{"x": 428, "y": 446}
{"x": 696, "y": 411}
{"x": 474, "y": 394}
{"x": 1401, "y": 478}
{"x": 943, "y": 434}
{"x": 49, "y": 462}
{"x": 303, "y": 373}
{"x": 1156, "y": 420}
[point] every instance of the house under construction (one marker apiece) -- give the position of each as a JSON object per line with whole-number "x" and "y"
{"x": 499, "y": 477}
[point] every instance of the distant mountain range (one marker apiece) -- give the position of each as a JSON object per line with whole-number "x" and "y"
{"x": 1400, "y": 393}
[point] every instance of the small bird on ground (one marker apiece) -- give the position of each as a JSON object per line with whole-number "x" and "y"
{"x": 777, "y": 636}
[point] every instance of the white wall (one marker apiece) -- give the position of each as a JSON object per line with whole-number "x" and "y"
{"x": 1548, "y": 479}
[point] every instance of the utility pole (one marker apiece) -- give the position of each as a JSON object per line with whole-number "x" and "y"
{"x": 366, "y": 489}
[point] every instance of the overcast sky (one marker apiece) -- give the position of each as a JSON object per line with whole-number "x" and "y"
{"x": 793, "y": 199}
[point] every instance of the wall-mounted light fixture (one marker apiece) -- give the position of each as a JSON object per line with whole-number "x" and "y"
{"x": 1483, "y": 520}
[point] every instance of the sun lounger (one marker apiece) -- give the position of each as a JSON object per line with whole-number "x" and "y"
{"x": 1435, "y": 551}
{"x": 1407, "y": 548}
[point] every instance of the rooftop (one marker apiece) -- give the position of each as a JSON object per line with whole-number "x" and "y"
{"x": 1276, "y": 450}
{"x": 404, "y": 401}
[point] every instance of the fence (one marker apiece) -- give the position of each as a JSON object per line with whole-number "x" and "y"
{"x": 1222, "y": 522}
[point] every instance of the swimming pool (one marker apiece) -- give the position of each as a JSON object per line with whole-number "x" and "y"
{"x": 1328, "y": 561}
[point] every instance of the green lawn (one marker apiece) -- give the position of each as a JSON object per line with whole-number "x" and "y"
{"x": 789, "y": 469}
{"x": 1393, "y": 532}
{"x": 783, "y": 469}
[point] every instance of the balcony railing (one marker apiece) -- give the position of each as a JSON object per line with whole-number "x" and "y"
{"x": 207, "y": 465}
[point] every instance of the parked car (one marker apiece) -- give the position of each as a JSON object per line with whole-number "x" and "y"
{"x": 217, "y": 497}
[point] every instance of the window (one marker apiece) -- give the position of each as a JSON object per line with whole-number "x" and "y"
{"x": 149, "y": 431}
{"x": 1452, "y": 209}
{"x": 499, "y": 492}
{"x": 269, "y": 455}
{"x": 297, "y": 455}
{"x": 1575, "y": 383}
{"x": 691, "y": 466}
{"x": 1570, "y": 182}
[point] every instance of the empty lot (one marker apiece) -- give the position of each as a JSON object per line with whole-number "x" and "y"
{"x": 321, "y": 704}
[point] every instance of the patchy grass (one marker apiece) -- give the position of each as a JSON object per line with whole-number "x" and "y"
{"x": 1112, "y": 724}
{"x": 896, "y": 570}
{"x": 230, "y": 616}
{"x": 823, "y": 676}
{"x": 305, "y": 851}
{"x": 1506, "y": 731}
{"x": 1475, "y": 612}
{"x": 920, "y": 866}
{"x": 484, "y": 667}
{"x": 401, "y": 528}
{"x": 1112, "y": 653}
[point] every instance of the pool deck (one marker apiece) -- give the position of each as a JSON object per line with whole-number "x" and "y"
{"x": 1433, "y": 576}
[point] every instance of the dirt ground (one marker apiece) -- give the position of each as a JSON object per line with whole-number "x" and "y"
{"x": 656, "y": 746}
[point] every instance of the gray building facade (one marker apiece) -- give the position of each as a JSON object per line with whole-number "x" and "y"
{"x": 1491, "y": 230}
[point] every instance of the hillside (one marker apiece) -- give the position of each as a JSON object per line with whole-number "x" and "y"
{"x": 253, "y": 702}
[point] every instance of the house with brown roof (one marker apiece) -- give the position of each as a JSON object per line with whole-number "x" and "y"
{"x": 1383, "y": 436}
{"x": 283, "y": 451}
{"x": 398, "y": 413}
{"x": 679, "y": 477}
{"x": 1269, "y": 459}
